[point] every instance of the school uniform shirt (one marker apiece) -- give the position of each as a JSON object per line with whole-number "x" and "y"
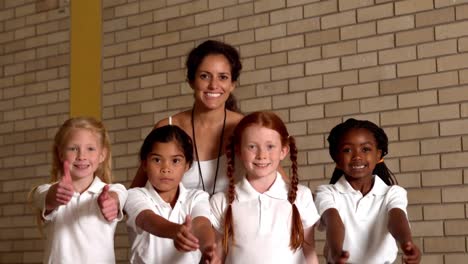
{"x": 147, "y": 248}
{"x": 262, "y": 222}
{"x": 78, "y": 232}
{"x": 365, "y": 218}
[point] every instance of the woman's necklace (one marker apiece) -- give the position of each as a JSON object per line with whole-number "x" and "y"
{"x": 219, "y": 151}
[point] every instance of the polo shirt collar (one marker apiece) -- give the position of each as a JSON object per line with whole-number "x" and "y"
{"x": 279, "y": 190}
{"x": 156, "y": 197}
{"x": 96, "y": 186}
{"x": 379, "y": 187}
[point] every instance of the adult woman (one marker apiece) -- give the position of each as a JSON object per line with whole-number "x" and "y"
{"x": 213, "y": 68}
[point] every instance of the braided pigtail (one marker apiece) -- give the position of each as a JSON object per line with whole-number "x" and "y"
{"x": 297, "y": 230}
{"x": 230, "y": 194}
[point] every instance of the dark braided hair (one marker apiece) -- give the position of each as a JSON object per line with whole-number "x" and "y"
{"x": 271, "y": 121}
{"x": 337, "y": 133}
{"x": 214, "y": 47}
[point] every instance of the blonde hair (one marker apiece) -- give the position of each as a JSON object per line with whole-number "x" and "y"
{"x": 61, "y": 138}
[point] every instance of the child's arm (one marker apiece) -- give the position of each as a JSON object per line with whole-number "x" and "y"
{"x": 203, "y": 230}
{"x": 157, "y": 225}
{"x": 61, "y": 192}
{"x": 335, "y": 230}
{"x": 398, "y": 226}
{"x": 308, "y": 246}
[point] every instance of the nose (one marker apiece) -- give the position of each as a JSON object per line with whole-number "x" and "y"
{"x": 261, "y": 153}
{"x": 80, "y": 155}
{"x": 165, "y": 168}
{"x": 213, "y": 83}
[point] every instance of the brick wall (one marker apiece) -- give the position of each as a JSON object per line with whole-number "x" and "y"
{"x": 400, "y": 64}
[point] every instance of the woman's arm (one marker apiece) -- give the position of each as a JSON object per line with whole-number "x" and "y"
{"x": 398, "y": 226}
{"x": 335, "y": 230}
{"x": 308, "y": 246}
{"x": 140, "y": 178}
{"x": 203, "y": 230}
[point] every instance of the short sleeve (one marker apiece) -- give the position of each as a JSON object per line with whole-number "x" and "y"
{"x": 324, "y": 198}
{"x": 306, "y": 206}
{"x": 122, "y": 193}
{"x": 396, "y": 198}
{"x": 137, "y": 202}
{"x": 200, "y": 202}
{"x": 218, "y": 207}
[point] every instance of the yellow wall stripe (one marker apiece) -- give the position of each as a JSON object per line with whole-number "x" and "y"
{"x": 85, "y": 49}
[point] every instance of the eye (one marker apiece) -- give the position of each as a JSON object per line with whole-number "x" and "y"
{"x": 74, "y": 148}
{"x": 224, "y": 77}
{"x": 91, "y": 148}
{"x": 251, "y": 147}
{"x": 270, "y": 146}
{"x": 177, "y": 160}
{"x": 156, "y": 159}
{"x": 346, "y": 150}
{"x": 204, "y": 76}
{"x": 366, "y": 149}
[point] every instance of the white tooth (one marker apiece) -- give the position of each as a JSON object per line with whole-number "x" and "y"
{"x": 213, "y": 94}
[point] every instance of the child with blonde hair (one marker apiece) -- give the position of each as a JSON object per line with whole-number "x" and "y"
{"x": 262, "y": 218}
{"x": 80, "y": 208}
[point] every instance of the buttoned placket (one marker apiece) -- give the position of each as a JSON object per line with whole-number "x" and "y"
{"x": 262, "y": 214}
{"x": 362, "y": 205}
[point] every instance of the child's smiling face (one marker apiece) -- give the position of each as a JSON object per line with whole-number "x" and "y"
{"x": 358, "y": 154}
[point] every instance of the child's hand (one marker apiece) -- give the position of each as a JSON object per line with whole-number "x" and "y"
{"x": 340, "y": 258}
{"x": 411, "y": 252}
{"x": 184, "y": 240}
{"x": 210, "y": 255}
{"x": 61, "y": 192}
{"x": 109, "y": 205}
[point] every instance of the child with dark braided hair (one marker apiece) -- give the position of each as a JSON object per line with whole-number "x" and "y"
{"x": 364, "y": 212}
{"x": 262, "y": 218}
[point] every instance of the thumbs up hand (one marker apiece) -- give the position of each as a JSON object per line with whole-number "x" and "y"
{"x": 61, "y": 192}
{"x": 108, "y": 203}
{"x": 184, "y": 240}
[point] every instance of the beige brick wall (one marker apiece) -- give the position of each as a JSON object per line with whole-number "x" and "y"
{"x": 401, "y": 64}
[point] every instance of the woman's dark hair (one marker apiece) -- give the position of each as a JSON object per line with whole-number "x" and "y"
{"x": 214, "y": 47}
{"x": 337, "y": 133}
{"x": 166, "y": 134}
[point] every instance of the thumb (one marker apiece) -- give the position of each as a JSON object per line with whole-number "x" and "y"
{"x": 105, "y": 193}
{"x": 66, "y": 172}
{"x": 188, "y": 222}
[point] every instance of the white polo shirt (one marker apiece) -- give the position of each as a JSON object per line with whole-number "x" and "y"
{"x": 262, "y": 222}
{"x": 147, "y": 248}
{"x": 78, "y": 232}
{"x": 365, "y": 218}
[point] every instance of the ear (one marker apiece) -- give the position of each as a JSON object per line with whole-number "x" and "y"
{"x": 143, "y": 165}
{"x": 103, "y": 155}
{"x": 284, "y": 152}
{"x": 379, "y": 154}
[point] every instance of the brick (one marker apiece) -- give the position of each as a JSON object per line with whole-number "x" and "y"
{"x": 340, "y": 78}
{"x": 208, "y": 17}
{"x": 442, "y": 178}
{"x": 305, "y": 54}
{"x": 140, "y": 19}
{"x": 360, "y": 90}
{"x": 252, "y": 77}
{"x": 374, "y": 12}
{"x": 306, "y": 113}
{"x": 377, "y": 73}
{"x": 455, "y": 194}
{"x": 150, "y": 5}
{"x": 166, "y": 13}
{"x": 303, "y": 26}
{"x": 440, "y": 112}
{"x": 403, "y": 149}
{"x": 154, "y": 80}
{"x": 456, "y": 258}
{"x": 264, "y": 6}
{"x": 409, "y": 180}
{"x": 395, "y": 24}
{"x": 426, "y": 130}
{"x": 321, "y": 8}
{"x": 352, "y": 4}
{"x": 140, "y": 44}
{"x": 455, "y": 160}
{"x": 255, "y": 49}
{"x": 424, "y": 196}
{"x": 127, "y": 59}
{"x": 376, "y": 43}
{"x": 257, "y": 104}
{"x": 413, "y": 6}
{"x": 322, "y": 37}
{"x": 153, "y": 29}
{"x": 456, "y": 94}
{"x": 464, "y": 110}
{"x": 287, "y": 43}
{"x": 339, "y": 49}
{"x": 307, "y": 83}
{"x": 342, "y": 108}
{"x": 358, "y": 31}
{"x": 437, "y": 80}
{"x": 140, "y": 70}
{"x": 272, "y": 88}
{"x": 318, "y": 156}
{"x": 435, "y": 17}
{"x": 322, "y": 66}
{"x": 362, "y": 60}
{"x": 463, "y": 44}
{"x": 461, "y": 12}
{"x": 464, "y": 76}
{"x": 451, "y": 62}
{"x": 416, "y": 67}
{"x": 288, "y": 71}
{"x": 166, "y": 39}
{"x": 321, "y": 96}
{"x": 397, "y": 55}
{"x": 253, "y": 22}
{"x": 399, "y": 117}
{"x": 445, "y": 211}
{"x": 289, "y": 100}
{"x": 414, "y": 36}
{"x": 338, "y": 19}
{"x": 452, "y": 30}
{"x": 311, "y": 172}
{"x": 427, "y": 228}
{"x": 285, "y": 15}
{"x": 417, "y": 99}
{"x": 380, "y": 103}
